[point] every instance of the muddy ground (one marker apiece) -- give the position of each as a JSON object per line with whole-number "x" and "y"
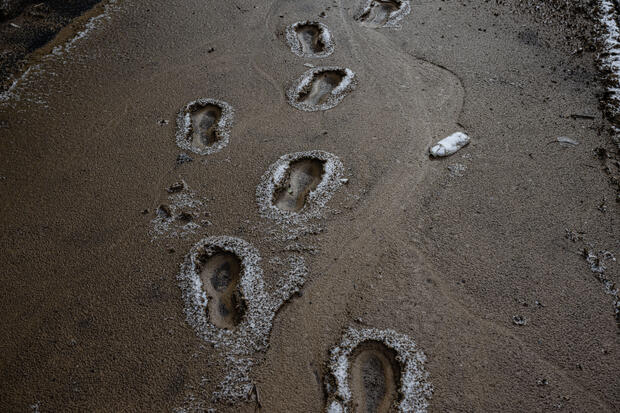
{"x": 478, "y": 258}
{"x": 27, "y": 25}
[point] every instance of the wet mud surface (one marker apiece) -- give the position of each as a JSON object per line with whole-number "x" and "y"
{"x": 26, "y": 25}
{"x": 139, "y": 274}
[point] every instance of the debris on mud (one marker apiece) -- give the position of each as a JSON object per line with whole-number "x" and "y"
{"x": 456, "y": 169}
{"x": 450, "y": 145}
{"x": 566, "y": 141}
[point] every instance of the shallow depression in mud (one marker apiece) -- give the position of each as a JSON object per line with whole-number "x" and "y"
{"x": 220, "y": 274}
{"x": 204, "y": 126}
{"x": 321, "y": 85}
{"x": 321, "y": 88}
{"x": 303, "y": 177}
{"x": 309, "y": 36}
{"x": 310, "y": 39}
{"x": 382, "y": 13}
{"x": 375, "y": 378}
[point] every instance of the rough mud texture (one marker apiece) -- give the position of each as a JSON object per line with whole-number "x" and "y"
{"x": 466, "y": 255}
{"x": 182, "y": 213}
{"x": 321, "y": 88}
{"x": 310, "y": 39}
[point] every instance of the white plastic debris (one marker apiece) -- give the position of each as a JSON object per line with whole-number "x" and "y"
{"x": 449, "y": 145}
{"x": 566, "y": 141}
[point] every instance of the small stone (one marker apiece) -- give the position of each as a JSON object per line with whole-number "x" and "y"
{"x": 519, "y": 320}
{"x": 176, "y": 187}
{"x": 183, "y": 158}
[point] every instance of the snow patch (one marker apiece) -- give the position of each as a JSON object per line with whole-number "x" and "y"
{"x": 171, "y": 219}
{"x": 611, "y": 59}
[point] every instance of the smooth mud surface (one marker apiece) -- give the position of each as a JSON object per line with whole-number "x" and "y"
{"x": 27, "y": 25}
{"x": 321, "y": 85}
{"x": 375, "y": 378}
{"x": 204, "y": 126}
{"x": 220, "y": 277}
{"x": 309, "y": 36}
{"x": 303, "y": 176}
{"x": 500, "y": 262}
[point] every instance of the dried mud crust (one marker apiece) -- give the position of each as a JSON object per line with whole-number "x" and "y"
{"x": 383, "y": 13}
{"x": 26, "y": 25}
{"x": 375, "y": 370}
{"x": 321, "y": 88}
{"x": 310, "y": 39}
{"x": 203, "y": 126}
{"x": 298, "y": 185}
